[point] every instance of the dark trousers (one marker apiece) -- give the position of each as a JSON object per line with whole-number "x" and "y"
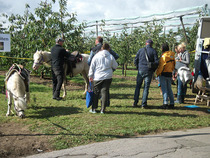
{"x": 101, "y": 87}
{"x": 57, "y": 78}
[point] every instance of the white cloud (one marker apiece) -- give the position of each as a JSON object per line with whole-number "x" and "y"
{"x": 96, "y": 10}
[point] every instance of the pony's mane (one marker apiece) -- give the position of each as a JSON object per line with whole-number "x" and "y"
{"x": 20, "y": 85}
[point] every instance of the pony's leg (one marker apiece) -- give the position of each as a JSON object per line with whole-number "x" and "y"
{"x": 27, "y": 97}
{"x": 64, "y": 82}
{"x": 9, "y": 103}
{"x": 64, "y": 89}
{"x": 85, "y": 77}
{"x": 27, "y": 93}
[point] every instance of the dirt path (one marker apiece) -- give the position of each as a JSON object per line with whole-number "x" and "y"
{"x": 17, "y": 141}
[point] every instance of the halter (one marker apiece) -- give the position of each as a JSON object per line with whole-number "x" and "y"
{"x": 40, "y": 61}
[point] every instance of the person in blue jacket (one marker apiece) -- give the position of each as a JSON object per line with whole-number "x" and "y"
{"x": 144, "y": 72}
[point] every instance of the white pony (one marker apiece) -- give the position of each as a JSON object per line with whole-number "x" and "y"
{"x": 17, "y": 89}
{"x": 44, "y": 57}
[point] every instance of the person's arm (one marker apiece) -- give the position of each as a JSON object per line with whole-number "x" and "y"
{"x": 156, "y": 59}
{"x": 187, "y": 61}
{"x": 114, "y": 64}
{"x": 160, "y": 66}
{"x": 115, "y": 55}
{"x": 90, "y": 57}
{"x": 136, "y": 60}
{"x": 92, "y": 69}
{"x": 65, "y": 53}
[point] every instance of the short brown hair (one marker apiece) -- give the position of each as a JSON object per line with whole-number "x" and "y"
{"x": 105, "y": 46}
{"x": 99, "y": 39}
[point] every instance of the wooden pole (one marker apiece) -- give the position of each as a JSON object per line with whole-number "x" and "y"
{"x": 96, "y": 28}
{"x": 186, "y": 41}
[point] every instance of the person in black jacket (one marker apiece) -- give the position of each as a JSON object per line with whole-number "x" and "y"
{"x": 97, "y": 48}
{"x": 144, "y": 71}
{"x": 58, "y": 53}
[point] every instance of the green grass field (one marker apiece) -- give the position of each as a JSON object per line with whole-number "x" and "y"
{"x": 68, "y": 123}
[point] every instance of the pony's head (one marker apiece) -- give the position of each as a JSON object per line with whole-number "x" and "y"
{"x": 38, "y": 59}
{"x": 20, "y": 106}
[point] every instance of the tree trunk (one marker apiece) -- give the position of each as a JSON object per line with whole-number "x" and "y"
{"x": 122, "y": 69}
{"x": 125, "y": 69}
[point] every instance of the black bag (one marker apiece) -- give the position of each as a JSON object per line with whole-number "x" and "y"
{"x": 151, "y": 65}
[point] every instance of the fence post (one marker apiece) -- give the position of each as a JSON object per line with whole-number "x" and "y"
{"x": 96, "y": 28}
{"x": 184, "y": 30}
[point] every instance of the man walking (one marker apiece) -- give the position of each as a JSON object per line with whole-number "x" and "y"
{"x": 143, "y": 57}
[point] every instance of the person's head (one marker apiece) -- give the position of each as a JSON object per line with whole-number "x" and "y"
{"x": 59, "y": 40}
{"x": 99, "y": 39}
{"x": 176, "y": 49}
{"x": 149, "y": 42}
{"x": 106, "y": 47}
{"x": 182, "y": 47}
{"x": 165, "y": 47}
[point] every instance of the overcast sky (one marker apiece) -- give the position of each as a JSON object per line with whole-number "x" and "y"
{"x": 97, "y": 9}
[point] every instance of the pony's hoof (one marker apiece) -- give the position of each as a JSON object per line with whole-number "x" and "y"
{"x": 22, "y": 116}
{"x": 7, "y": 115}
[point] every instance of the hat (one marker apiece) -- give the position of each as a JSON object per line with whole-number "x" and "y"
{"x": 149, "y": 41}
{"x": 59, "y": 39}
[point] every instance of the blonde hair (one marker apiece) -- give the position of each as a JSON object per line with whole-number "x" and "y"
{"x": 182, "y": 45}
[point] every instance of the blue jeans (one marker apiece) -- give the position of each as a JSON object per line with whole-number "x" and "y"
{"x": 182, "y": 89}
{"x": 165, "y": 83}
{"x": 146, "y": 77}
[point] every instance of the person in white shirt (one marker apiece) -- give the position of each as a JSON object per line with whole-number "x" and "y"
{"x": 100, "y": 73}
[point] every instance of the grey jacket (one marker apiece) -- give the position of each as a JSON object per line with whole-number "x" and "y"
{"x": 185, "y": 56}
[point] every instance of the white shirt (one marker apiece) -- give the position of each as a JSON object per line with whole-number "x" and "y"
{"x": 102, "y": 66}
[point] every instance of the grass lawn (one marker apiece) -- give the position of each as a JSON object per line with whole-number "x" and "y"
{"x": 68, "y": 123}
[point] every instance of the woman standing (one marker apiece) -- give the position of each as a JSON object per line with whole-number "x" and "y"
{"x": 100, "y": 73}
{"x": 182, "y": 61}
{"x": 164, "y": 72}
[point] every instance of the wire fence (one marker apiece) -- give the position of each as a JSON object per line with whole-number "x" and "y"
{"x": 171, "y": 20}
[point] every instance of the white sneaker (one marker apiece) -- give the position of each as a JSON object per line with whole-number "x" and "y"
{"x": 92, "y": 111}
{"x": 102, "y": 112}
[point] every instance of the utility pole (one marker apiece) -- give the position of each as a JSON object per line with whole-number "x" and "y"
{"x": 186, "y": 41}
{"x": 96, "y": 28}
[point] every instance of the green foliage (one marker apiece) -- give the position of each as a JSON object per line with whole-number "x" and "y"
{"x": 37, "y": 31}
